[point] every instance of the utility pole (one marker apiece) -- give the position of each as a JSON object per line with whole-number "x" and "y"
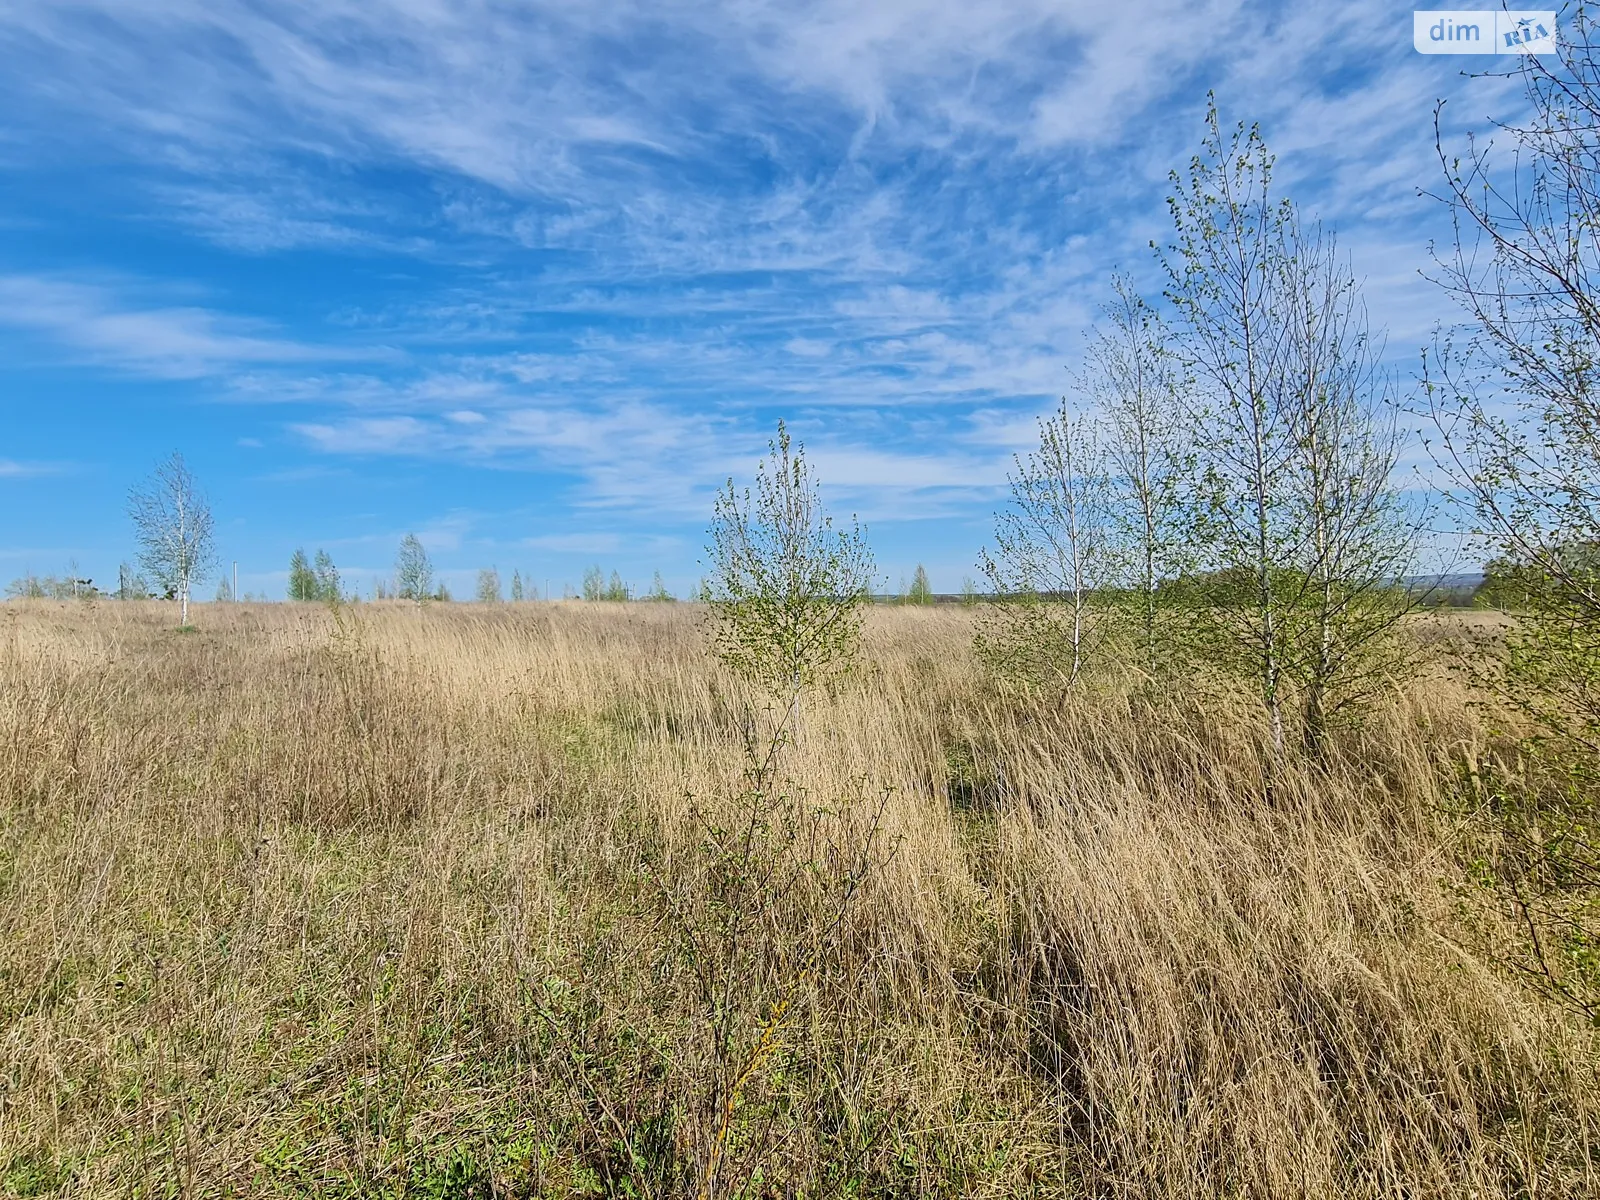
{"x": 235, "y": 592}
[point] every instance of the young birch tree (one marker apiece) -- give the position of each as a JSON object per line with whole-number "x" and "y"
{"x": 659, "y": 592}
{"x": 786, "y": 588}
{"x": 172, "y": 523}
{"x": 1297, "y": 443}
{"x": 1360, "y": 533}
{"x": 1223, "y": 270}
{"x": 302, "y": 584}
{"x": 489, "y": 586}
{"x": 921, "y": 591}
{"x": 413, "y": 571}
{"x": 329, "y": 587}
{"x": 1136, "y": 384}
{"x": 1053, "y": 559}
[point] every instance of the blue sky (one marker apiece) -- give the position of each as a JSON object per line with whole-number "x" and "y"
{"x": 532, "y": 280}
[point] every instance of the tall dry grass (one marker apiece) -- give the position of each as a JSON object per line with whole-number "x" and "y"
{"x": 471, "y": 902}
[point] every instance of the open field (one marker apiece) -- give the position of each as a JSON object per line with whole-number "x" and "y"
{"x": 472, "y": 901}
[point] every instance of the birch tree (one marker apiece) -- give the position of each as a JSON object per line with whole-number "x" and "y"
{"x": 1136, "y": 384}
{"x": 787, "y": 587}
{"x": 489, "y": 586}
{"x": 329, "y": 587}
{"x": 921, "y": 591}
{"x": 1223, "y": 270}
{"x": 302, "y": 583}
{"x": 413, "y": 571}
{"x": 1297, "y": 441}
{"x": 172, "y": 524}
{"x": 1360, "y": 532}
{"x": 1052, "y": 560}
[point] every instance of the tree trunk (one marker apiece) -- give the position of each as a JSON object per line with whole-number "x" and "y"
{"x": 1316, "y": 720}
{"x": 1322, "y": 673}
{"x": 1149, "y": 587}
{"x": 1270, "y": 666}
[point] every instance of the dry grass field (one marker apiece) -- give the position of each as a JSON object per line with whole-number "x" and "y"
{"x": 468, "y": 901}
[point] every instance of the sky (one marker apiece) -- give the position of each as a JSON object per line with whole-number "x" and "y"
{"x": 533, "y": 280}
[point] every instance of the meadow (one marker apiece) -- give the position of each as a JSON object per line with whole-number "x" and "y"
{"x": 471, "y": 901}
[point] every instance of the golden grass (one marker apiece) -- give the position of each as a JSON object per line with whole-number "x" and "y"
{"x": 466, "y": 902}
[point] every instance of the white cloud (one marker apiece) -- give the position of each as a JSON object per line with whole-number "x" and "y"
{"x": 175, "y": 342}
{"x": 367, "y": 435}
{"x": 10, "y": 468}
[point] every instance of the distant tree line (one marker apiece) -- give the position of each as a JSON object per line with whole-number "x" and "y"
{"x": 53, "y": 587}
